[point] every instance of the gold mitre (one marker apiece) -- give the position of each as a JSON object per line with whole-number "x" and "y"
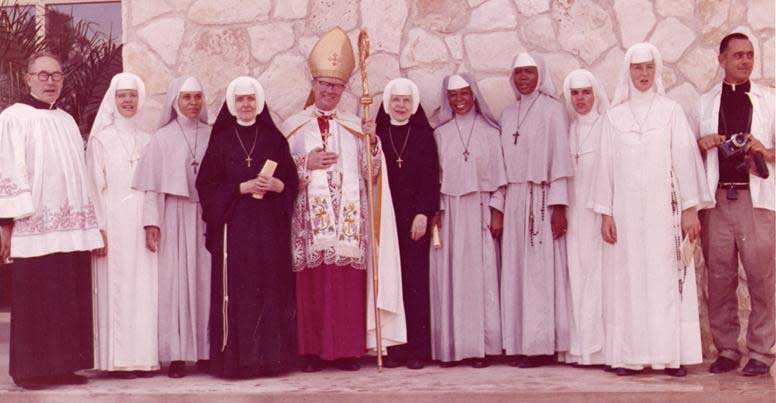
{"x": 332, "y": 56}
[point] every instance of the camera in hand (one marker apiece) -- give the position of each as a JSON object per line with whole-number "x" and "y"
{"x": 735, "y": 146}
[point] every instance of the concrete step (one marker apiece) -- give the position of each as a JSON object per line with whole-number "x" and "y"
{"x": 497, "y": 383}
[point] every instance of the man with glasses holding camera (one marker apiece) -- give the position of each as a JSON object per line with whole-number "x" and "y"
{"x": 49, "y": 226}
{"x": 734, "y": 123}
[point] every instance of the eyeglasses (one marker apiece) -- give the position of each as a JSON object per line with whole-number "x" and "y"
{"x": 330, "y": 86}
{"x": 45, "y": 75}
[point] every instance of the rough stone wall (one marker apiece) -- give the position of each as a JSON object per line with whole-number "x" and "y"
{"x": 218, "y": 40}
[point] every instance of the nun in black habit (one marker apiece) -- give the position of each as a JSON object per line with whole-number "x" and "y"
{"x": 413, "y": 175}
{"x": 248, "y": 217}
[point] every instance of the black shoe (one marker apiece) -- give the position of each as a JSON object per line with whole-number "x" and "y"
{"x": 448, "y": 364}
{"x": 349, "y": 364}
{"x": 535, "y": 361}
{"x": 122, "y": 374}
{"x": 37, "y": 383}
{"x": 625, "y": 372}
{"x": 71, "y": 379}
{"x": 680, "y": 372}
{"x": 203, "y": 366}
{"x": 517, "y": 361}
{"x": 479, "y": 363}
{"x": 145, "y": 374}
{"x": 723, "y": 364}
{"x": 390, "y": 362}
{"x": 312, "y": 364}
{"x": 415, "y": 363}
{"x": 177, "y": 369}
{"x": 754, "y": 368}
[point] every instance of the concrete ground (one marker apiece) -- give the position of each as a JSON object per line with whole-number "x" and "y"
{"x": 497, "y": 383}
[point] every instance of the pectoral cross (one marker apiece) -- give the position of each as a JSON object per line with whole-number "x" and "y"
{"x": 325, "y": 137}
{"x": 194, "y": 166}
{"x": 399, "y": 161}
{"x": 248, "y": 160}
{"x": 516, "y": 134}
{"x": 466, "y": 155}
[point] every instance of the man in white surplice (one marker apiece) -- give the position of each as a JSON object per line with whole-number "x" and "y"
{"x": 125, "y": 276}
{"x": 172, "y": 217}
{"x": 649, "y": 182}
{"x": 534, "y": 283}
{"x": 587, "y": 102}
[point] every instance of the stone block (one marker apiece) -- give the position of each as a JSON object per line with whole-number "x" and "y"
{"x": 539, "y": 32}
{"x": 672, "y": 38}
{"x": 700, "y": 66}
{"x": 493, "y": 14}
{"x": 223, "y": 12}
{"x": 446, "y": 16}
{"x": 385, "y": 21}
{"x": 286, "y": 84}
{"x": 529, "y": 8}
{"x": 422, "y": 48}
{"x": 144, "y": 11}
{"x": 761, "y": 14}
{"x": 290, "y": 9}
{"x": 607, "y": 70}
{"x": 327, "y": 14}
{"x": 686, "y": 95}
{"x": 498, "y": 93}
{"x": 455, "y": 46}
{"x": 768, "y": 59}
{"x": 675, "y": 8}
{"x": 636, "y": 19}
{"x": 713, "y": 14}
{"x": 140, "y": 60}
{"x": 429, "y": 81}
{"x": 380, "y": 68}
{"x": 560, "y": 65}
{"x": 267, "y": 40}
{"x": 216, "y": 56}
{"x": 584, "y": 28}
{"x": 164, "y": 36}
{"x": 492, "y": 52}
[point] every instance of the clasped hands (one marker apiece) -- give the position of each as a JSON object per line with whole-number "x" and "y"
{"x": 261, "y": 185}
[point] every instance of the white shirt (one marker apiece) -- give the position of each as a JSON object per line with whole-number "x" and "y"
{"x": 705, "y": 120}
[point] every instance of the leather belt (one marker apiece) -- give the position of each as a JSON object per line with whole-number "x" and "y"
{"x": 737, "y": 186}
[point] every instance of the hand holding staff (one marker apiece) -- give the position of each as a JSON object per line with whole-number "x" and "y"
{"x": 366, "y": 100}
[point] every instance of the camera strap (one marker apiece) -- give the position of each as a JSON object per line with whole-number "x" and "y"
{"x": 723, "y": 120}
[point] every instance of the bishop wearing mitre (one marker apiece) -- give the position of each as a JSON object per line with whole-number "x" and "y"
{"x": 330, "y": 227}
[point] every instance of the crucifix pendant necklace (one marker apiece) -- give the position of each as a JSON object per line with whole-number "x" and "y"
{"x": 516, "y": 134}
{"x": 192, "y": 152}
{"x": 468, "y": 139}
{"x": 399, "y": 153}
{"x": 646, "y": 115}
{"x": 248, "y": 154}
{"x": 580, "y": 140}
{"x": 132, "y": 156}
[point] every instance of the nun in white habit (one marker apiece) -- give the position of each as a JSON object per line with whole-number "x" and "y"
{"x": 172, "y": 217}
{"x": 125, "y": 276}
{"x": 464, "y": 271}
{"x": 649, "y": 182}
{"x": 587, "y": 103}
{"x": 534, "y": 280}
